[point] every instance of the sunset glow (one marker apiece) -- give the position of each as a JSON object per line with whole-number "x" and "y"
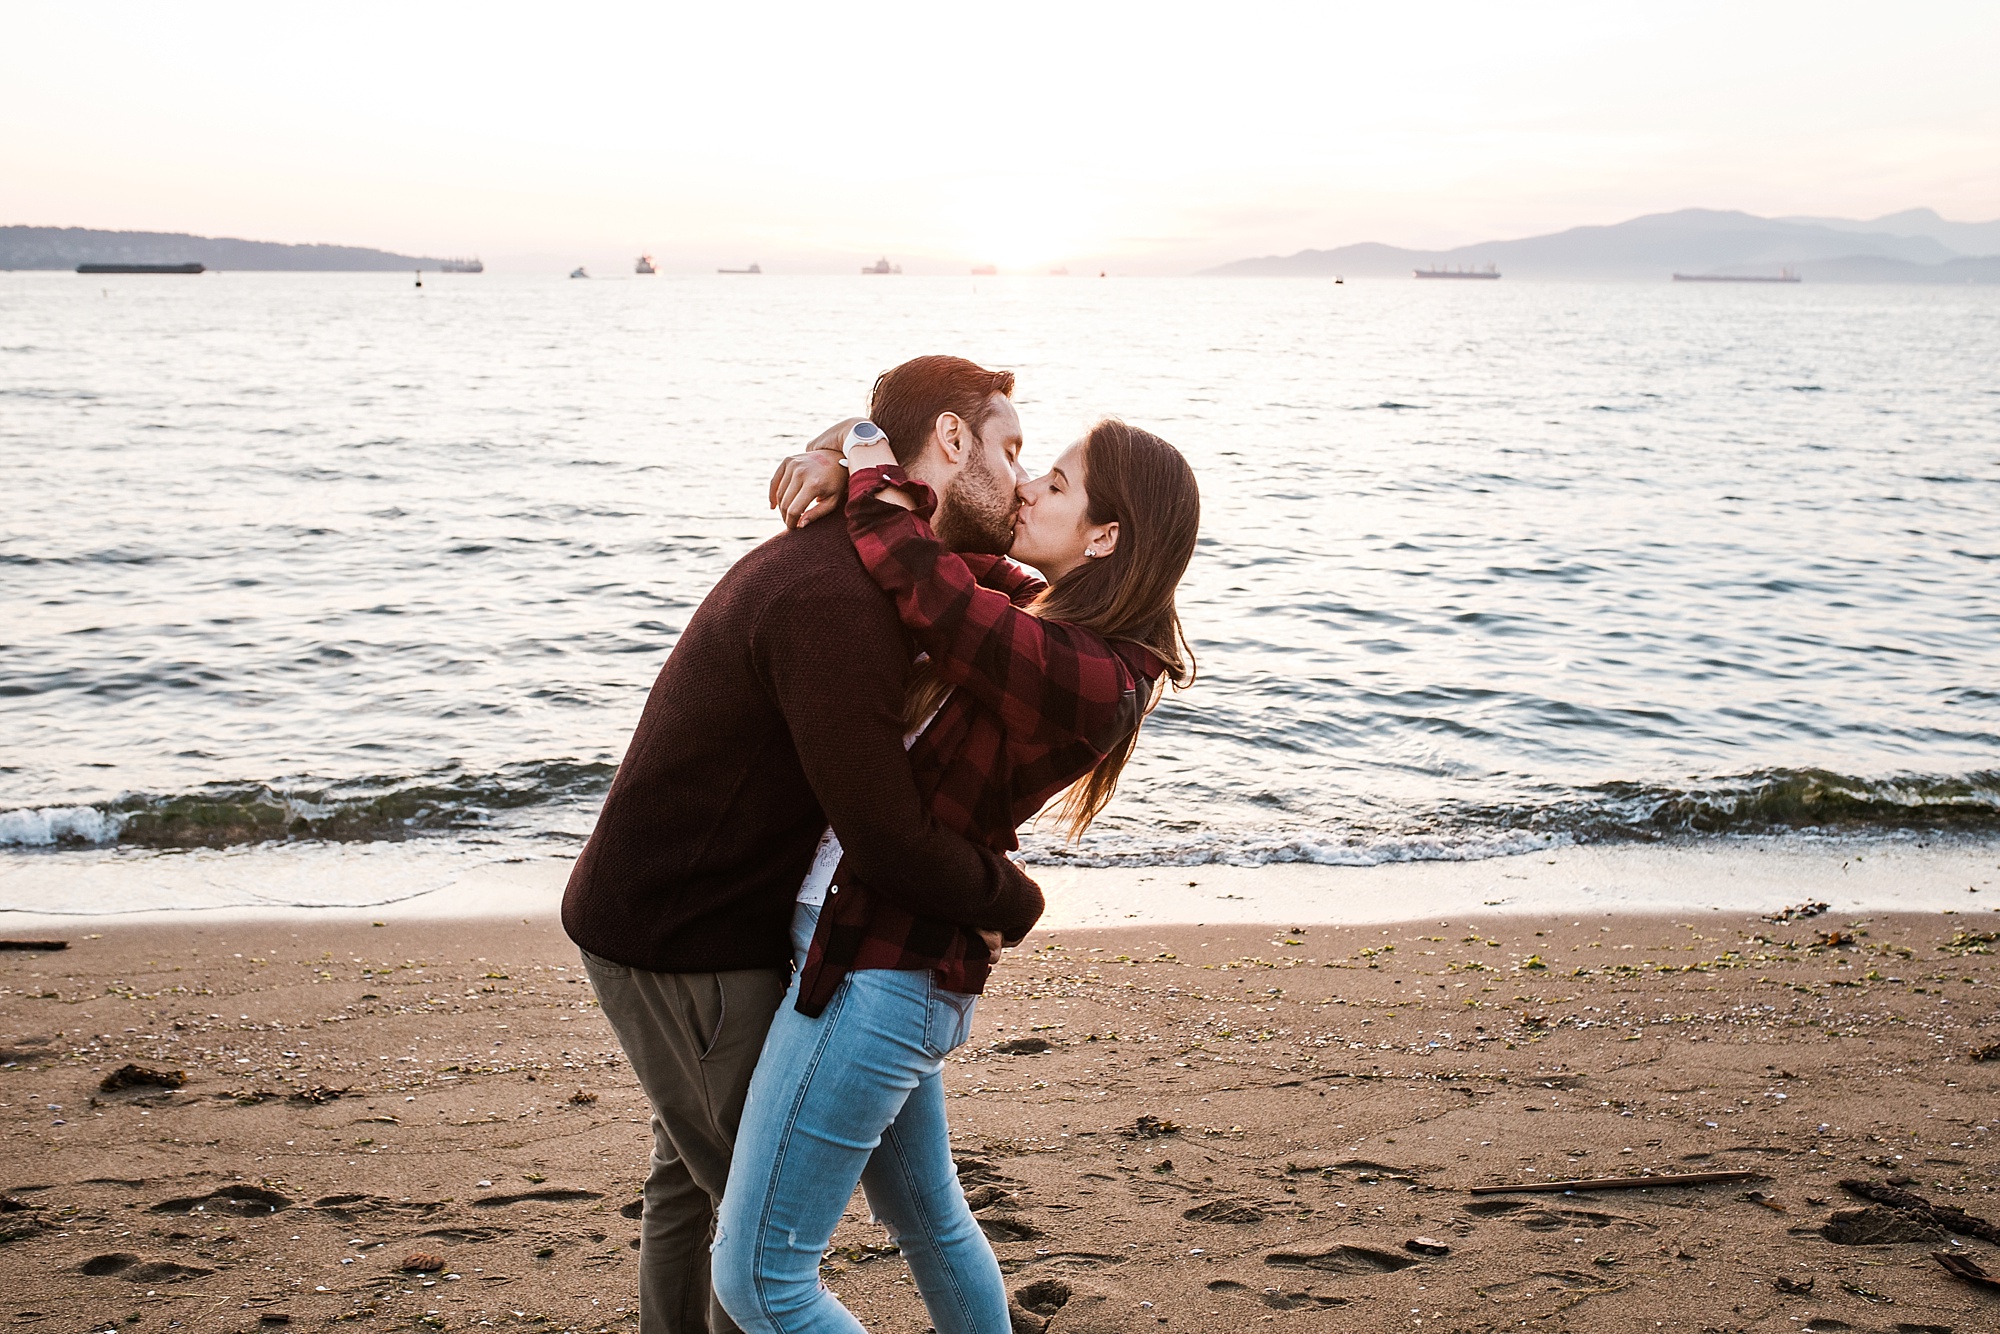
{"x": 1149, "y": 138}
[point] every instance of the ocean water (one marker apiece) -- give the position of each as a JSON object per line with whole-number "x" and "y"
{"x": 1485, "y": 567}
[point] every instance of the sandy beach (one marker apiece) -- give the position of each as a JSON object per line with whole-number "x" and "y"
{"x": 1195, "y": 1127}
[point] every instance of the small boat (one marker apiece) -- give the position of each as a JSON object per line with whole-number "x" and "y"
{"x": 461, "y": 266}
{"x": 752, "y": 269}
{"x": 141, "y": 268}
{"x": 985, "y": 270}
{"x": 1489, "y": 273}
{"x": 881, "y": 265}
{"x": 645, "y": 265}
{"x": 1784, "y": 276}
{"x": 578, "y": 272}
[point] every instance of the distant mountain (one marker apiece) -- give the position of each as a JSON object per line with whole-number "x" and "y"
{"x": 1654, "y": 247}
{"x": 67, "y": 247}
{"x": 1967, "y": 238}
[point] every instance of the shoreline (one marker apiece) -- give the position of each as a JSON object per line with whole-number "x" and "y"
{"x": 336, "y": 883}
{"x": 1178, "y": 1127}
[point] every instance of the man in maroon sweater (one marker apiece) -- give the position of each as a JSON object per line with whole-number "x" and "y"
{"x": 779, "y": 712}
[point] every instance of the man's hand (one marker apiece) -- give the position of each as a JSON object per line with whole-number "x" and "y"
{"x": 994, "y": 943}
{"x": 808, "y": 486}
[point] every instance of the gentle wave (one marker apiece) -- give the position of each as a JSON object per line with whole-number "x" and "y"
{"x": 1276, "y": 847}
{"x": 365, "y": 810}
{"x": 1777, "y": 800}
{"x": 450, "y": 801}
{"x": 1802, "y": 801}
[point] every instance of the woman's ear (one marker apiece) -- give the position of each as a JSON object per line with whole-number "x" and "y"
{"x": 1101, "y": 540}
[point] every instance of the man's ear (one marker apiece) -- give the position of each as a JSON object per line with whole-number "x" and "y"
{"x": 1102, "y": 539}
{"x": 952, "y": 437}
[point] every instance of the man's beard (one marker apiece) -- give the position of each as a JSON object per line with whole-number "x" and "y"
{"x": 976, "y": 511}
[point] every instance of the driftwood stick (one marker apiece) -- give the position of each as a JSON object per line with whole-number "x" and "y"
{"x": 1622, "y": 1183}
{"x": 34, "y": 944}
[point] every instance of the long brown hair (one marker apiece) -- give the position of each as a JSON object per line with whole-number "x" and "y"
{"x": 1138, "y": 481}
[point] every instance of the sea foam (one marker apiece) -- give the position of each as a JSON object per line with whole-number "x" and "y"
{"x": 49, "y": 826}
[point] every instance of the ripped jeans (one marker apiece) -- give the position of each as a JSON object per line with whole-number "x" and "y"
{"x": 855, "y": 1095}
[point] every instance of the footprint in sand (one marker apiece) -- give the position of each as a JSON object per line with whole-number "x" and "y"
{"x": 1545, "y": 1280}
{"x": 467, "y": 1234}
{"x": 1555, "y": 1220}
{"x": 1275, "y": 1298}
{"x": 243, "y": 1201}
{"x": 138, "y": 1269}
{"x": 1069, "y": 1261}
{"x": 1006, "y": 1230}
{"x": 1541, "y": 1218}
{"x": 987, "y": 1197}
{"x": 1494, "y": 1208}
{"x": 1343, "y": 1260}
{"x": 1226, "y": 1211}
{"x": 26, "y": 1049}
{"x": 353, "y": 1208}
{"x": 979, "y": 1172}
{"x": 545, "y": 1196}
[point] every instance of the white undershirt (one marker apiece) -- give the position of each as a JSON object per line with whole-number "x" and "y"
{"x": 826, "y": 858}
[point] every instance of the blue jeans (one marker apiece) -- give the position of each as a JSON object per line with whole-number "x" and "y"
{"x": 856, "y": 1095}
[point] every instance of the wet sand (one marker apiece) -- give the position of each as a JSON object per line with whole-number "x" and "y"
{"x": 1231, "y": 1124}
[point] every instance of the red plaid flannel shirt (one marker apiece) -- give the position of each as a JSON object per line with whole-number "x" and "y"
{"x": 1035, "y": 705}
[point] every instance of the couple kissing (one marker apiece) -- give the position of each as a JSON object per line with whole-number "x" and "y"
{"x": 800, "y": 878}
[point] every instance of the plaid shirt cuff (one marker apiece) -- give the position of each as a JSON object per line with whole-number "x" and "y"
{"x": 870, "y": 482}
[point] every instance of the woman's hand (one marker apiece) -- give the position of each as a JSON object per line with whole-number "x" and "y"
{"x": 809, "y": 486}
{"x": 834, "y": 436}
{"x": 880, "y": 455}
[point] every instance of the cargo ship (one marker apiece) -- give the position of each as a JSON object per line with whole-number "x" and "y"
{"x": 752, "y": 269}
{"x": 142, "y": 268}
{"x": 985, "y": 270}
{"x": 1489, "y": 272}
{"x": 881, "y": 265}
{"x": 1784, "y": 276}
{"x": 461, "y": 266}
{"x": 645, "y": 265}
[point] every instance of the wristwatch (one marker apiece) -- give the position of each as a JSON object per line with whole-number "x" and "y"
{"x": 861, "y": 433}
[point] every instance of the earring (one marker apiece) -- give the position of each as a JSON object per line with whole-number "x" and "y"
{"x": 1091, "y": 552}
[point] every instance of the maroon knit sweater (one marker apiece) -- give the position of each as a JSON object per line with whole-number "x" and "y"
{"x": 778, "y": 712}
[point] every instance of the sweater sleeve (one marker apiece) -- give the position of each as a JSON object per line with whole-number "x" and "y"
{"x": 1049, "y": 681}
{"x": 1004, "y": 576}
{"x": 836, "y": 671}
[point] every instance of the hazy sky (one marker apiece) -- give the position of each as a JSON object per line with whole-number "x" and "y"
{"x": 1152, "y": 137}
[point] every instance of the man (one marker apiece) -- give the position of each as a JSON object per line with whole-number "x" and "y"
{"x": 778, "y": 713}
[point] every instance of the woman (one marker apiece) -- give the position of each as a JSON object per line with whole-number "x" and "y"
{"x": 1033, "y": 686}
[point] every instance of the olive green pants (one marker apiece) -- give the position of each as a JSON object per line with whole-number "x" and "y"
{"x": 693, "y": 1041}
